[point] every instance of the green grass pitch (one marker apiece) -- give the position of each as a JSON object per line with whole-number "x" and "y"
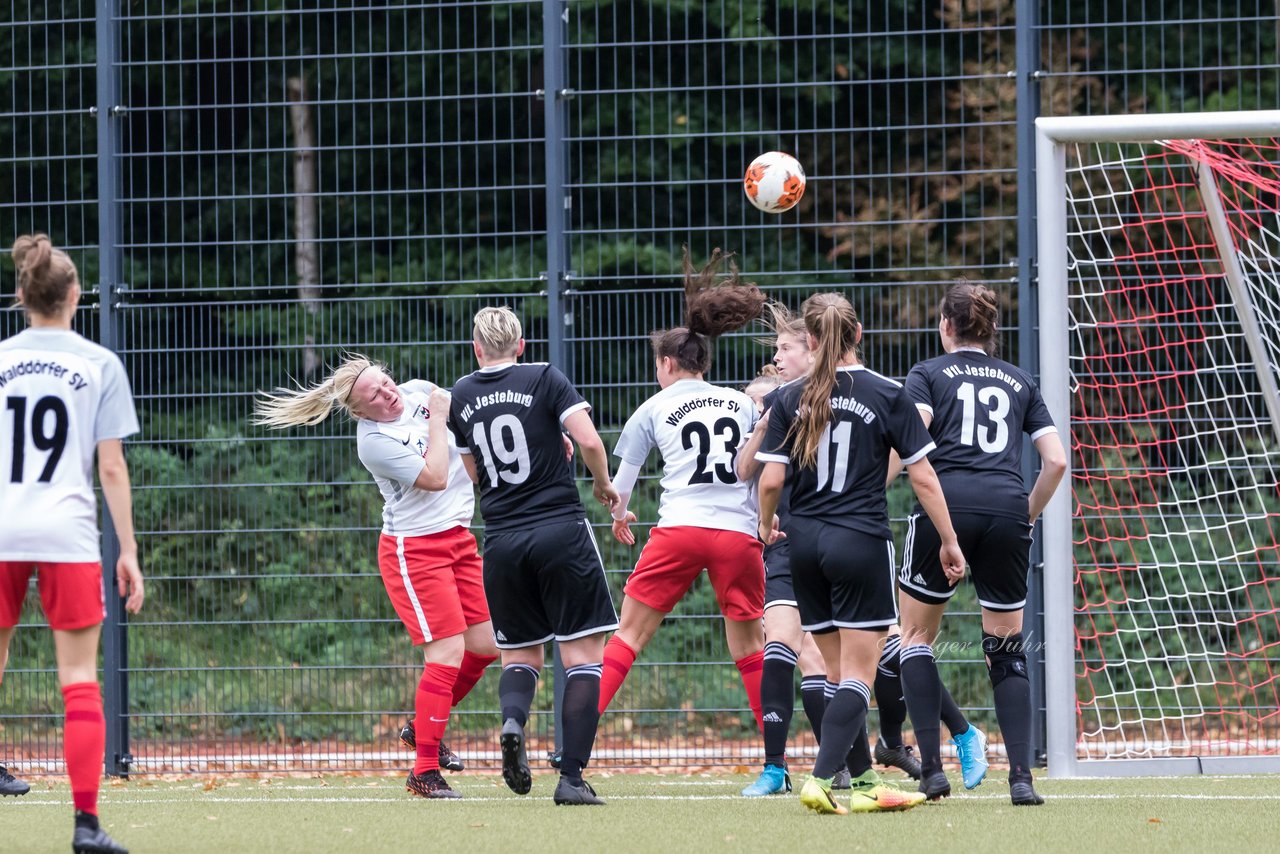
{"x": 646, "y": 813}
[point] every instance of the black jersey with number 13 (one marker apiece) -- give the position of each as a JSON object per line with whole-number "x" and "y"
{"x": 509, "y": 417}
{"x": 981, "y": 406}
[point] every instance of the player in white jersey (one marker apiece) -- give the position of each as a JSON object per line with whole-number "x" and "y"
{"x": 65, "y": 400}
{"x": 426, "y": 553}
{"x": 707, "y": 514}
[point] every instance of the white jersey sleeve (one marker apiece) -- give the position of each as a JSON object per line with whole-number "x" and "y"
{"x": 62, "y": 394}
{"x": 636, "y": 439}
{"x": 394, "y": 453}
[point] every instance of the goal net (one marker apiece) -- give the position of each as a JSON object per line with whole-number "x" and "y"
{"x": 1159, "y": 284}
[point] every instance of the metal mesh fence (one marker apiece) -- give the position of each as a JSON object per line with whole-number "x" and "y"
{"x": 292, "y": 182}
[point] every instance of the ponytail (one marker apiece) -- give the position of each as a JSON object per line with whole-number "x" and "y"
{"x": 713, "y": 306}
{"x": 832, "y": 321}
{"x": 974, "y": 312}
{"x": 286, "y": 407}
{"x": 45, "y": 274}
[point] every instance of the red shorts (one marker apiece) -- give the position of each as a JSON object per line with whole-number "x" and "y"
{"x": 71, "y": 593}
{"x": 674, "y": 556}
{"x": 435, "y": 582}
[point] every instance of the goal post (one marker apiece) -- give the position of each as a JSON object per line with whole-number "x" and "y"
{"x": 1158, "y": 240}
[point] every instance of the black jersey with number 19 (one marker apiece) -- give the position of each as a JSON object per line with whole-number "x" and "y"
{"x": 870, "y": 415}
{"x": 509, "y": 417}
{"x": 981, "y": 406}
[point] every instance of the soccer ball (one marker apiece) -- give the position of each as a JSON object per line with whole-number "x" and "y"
{"x": 774, "y": 182}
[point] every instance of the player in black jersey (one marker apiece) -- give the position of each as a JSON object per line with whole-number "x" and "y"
{"x": 976, "y": 408}
{"x": 837, "y": 429}
{"x": 787, "y": 645}
{"x": 543, "y": 575}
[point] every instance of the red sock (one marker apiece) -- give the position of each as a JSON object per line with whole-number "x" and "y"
{"x": 431, "y": 713}
{"x": 618, "y": 658}
{"x": 469, "y": 673}
{"x": 84, "y": 741}
{"x": 752, "y": 668}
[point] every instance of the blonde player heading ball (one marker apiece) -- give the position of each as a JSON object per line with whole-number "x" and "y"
{"x": 426, "y": 554}
{"x": 66, "y": 400}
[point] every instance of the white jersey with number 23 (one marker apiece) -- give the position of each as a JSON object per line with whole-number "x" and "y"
{"x": 699, "y": 429}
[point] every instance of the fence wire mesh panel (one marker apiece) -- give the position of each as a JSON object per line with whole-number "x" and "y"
{"x": 296, "y": 181}
{"x": 48, "y": 182}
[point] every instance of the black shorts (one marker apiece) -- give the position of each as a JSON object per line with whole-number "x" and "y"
{"x": 843, "y": 579}
{"x": 778, "y": 589}
{"x": 546, "y": 582}
{"x": 997, "y": 549}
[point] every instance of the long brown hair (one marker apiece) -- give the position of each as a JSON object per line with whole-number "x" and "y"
{"x": 832, "y": 321}
{"x": 974, "y": 312}
{"x": 45, "y": 274}
{"x": 713, "y": 305}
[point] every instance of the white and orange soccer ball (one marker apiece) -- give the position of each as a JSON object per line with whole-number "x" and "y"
{"x": 774, "y": 182}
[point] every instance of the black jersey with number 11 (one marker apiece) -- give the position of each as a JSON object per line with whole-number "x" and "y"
{"x": 508, "y": 417}
{"x": 981, "y": 406}
{"x": 870, "y": 415}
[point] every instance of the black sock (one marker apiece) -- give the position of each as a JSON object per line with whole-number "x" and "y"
{"x": 86, "y": 819}
{"x": 889, "y": 699}
{"x": 858, "y": 759}
{"x": 846, "y": 717}
{"x": 777, "y": 699}
{"x": 957, "y": 723}
{"x": 923, "y": 690}
{"x": 516, "y": 687}
{"x": 1008, "y": 670}
{"x": 813, "y": 697}
{"x": 581, "y": 716}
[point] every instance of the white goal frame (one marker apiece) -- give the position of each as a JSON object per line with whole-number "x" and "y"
{"x": 1052, "y": 137}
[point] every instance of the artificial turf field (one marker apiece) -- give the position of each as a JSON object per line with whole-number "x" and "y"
{"x": 646, "y": 813}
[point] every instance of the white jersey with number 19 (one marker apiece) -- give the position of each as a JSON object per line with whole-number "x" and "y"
{"x": 699, "y": 429}
{"x": 62, "y": 395}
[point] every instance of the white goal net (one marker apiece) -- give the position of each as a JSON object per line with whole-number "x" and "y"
{"x": 1159, "y": 284}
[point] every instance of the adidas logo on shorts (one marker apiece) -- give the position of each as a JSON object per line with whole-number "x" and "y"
{"x": 501, "y": 637}
{"x": 919, "y": 579}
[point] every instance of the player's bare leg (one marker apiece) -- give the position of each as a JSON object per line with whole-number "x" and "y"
{"x": 637, "y": 624}
{"x": 84, "y": 733}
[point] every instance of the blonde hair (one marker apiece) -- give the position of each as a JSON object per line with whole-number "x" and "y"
{"x": 297, "y": 407}
{"x": 767, "y": 380}
{"x": 832, "y": 321}
{"x": 497, "y": 331}
{"x": 45, "y": 274}
{"x": 780, "y": 321}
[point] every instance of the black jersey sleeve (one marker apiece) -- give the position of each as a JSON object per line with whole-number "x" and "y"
{"x": 918, "y": 389}
{"x": 777, "y": 447}
{"x": 1038, "y": 421}
{"x": 561, "y": 396}
{"x": 906, "y": 431}
{"x": 455, "y": 425}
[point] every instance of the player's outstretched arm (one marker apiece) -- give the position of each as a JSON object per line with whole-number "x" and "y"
{"x": 748, "y": 466}
{"x": 113, "y": 472}
{"x": 1053, "y": 465}
{"x": 582, "y": 431}
{"x": 924, "y": 480}
{"x": 772, "y": 478}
